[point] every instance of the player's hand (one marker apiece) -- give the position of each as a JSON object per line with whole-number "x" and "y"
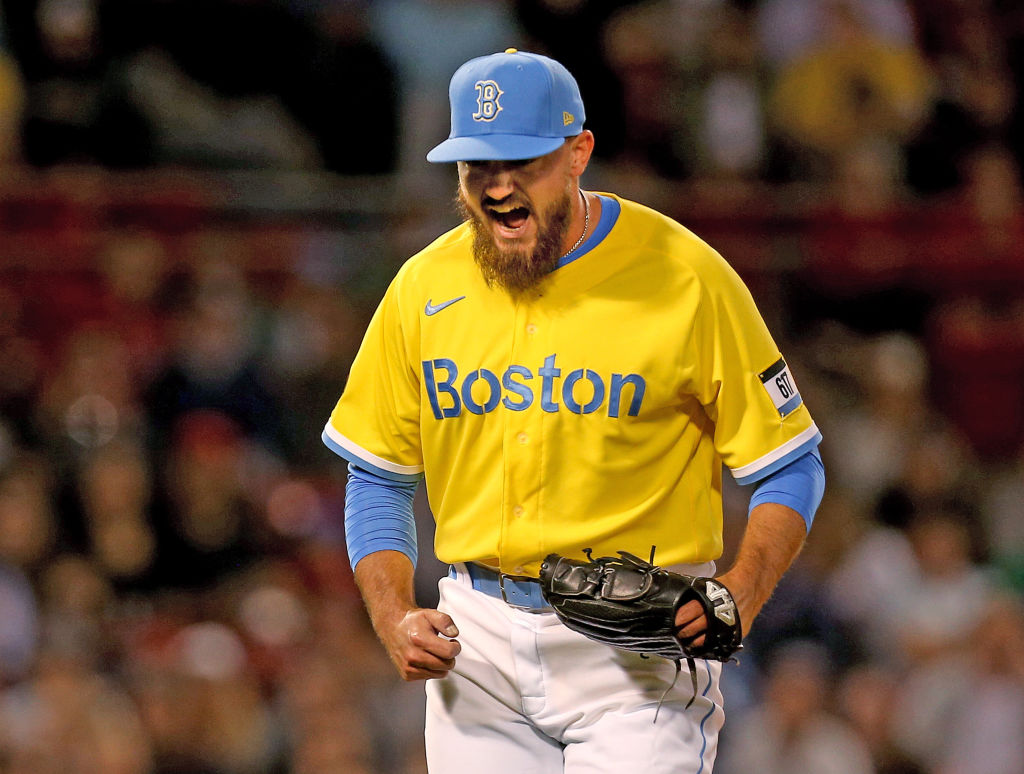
{"x": 422, "y": 644}
{"x": 691, "y": 621}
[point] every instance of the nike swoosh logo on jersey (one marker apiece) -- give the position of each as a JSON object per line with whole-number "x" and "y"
{"x": 432, "y": 309}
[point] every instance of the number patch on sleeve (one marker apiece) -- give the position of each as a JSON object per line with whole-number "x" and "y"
{"x": 779, "y": 384}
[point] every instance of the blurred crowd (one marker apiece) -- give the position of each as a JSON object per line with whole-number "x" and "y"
{"x": 175, "y": 596}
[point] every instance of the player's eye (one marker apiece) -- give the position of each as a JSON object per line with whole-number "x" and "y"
{"x": 495, "y": 167}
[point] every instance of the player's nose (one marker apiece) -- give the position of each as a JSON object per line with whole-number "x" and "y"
{"x": 499, "y": 183}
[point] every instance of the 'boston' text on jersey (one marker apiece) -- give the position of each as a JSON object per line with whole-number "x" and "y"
{"x": 513, "y": 391}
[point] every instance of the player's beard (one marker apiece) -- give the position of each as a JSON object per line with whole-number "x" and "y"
{"x": 517, "y": 270}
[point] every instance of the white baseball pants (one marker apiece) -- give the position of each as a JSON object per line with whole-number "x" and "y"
{"x": 529, "y": 696}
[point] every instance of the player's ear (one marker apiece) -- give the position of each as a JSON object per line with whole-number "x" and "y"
{"x": 581, "y": 146}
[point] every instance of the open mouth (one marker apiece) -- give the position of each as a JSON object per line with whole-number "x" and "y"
{"x": 511, "y": 221}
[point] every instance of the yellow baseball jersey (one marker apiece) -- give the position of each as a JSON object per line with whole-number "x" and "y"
{"x": 597, "y": 415}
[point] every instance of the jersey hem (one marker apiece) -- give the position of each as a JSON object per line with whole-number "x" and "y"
{"x": 352, "y": 452}
{"x": 779, "y": 458}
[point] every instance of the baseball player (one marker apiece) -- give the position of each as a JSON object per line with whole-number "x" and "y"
{"x": 567, "y": 371}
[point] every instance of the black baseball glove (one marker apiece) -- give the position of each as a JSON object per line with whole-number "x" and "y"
{"x": 630, "y": 603}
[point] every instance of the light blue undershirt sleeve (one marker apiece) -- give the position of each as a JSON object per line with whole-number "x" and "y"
{"x": 800, "y": 485}
{"x": 378, "y": 515}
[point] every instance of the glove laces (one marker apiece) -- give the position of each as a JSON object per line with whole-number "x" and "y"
{"x": 690, "y": 665}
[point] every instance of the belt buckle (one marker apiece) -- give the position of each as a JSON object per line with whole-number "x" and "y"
{"x": 501, "y": 585}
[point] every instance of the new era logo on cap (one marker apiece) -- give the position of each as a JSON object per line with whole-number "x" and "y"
{"x": 513, "y": 105}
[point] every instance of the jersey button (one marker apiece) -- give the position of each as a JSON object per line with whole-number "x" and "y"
{"x": 522, "y": 438}
{"x": 531, "y": 329}
{"x": 518, "y": 511}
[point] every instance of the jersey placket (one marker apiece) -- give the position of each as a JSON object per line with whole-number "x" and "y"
{"x": 522, "y": 530}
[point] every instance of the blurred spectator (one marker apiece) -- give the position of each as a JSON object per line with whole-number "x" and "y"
{"x": 235, "y": 731}
{"x": 12, "y": 103}
{"x": 729, "y": 113}
{"x": 899, "y": 458}
{"x": 351, "y": 75}
{"x": 862, "y": 248}
{"x": 1010, "y": 16}
{"x": 327, "y": 729}
{"x": 208, "y": 525}
{"x": 313, "y": 338}
{"x": 228, "y": 729}
{"x": 653, "y": 48}
{"x": 853, "y": 89}
{"x": 20, "y": 379}
{"x": 1002, "y": 522}
{"x": 912, "y": 595}
{"x": 976, "y": 95}
{"x": 19, "y": 635}
{"x": 214, "y": 79}
{"x": 876, "y": 566}
{"x": 426, "y": 41}
{"x": 214, "y": 360}
{"x": 939, "y": 472}
{"x": 114, "y": 492}
{"x": 90, "y": 397}
{"x": 888, "y": 411}
{"x": 936, "y": 614}
{"x": 76, "y": 600}
{"x": 135, "y": 269}
{"x": 70, "y": 719}
{"x": 792, "y": 728}
{"x": 693, "y": 89}
{"x": 214, "y": 432}
{"x": 789, "y": 29}
{"x": 28, "y": 524}
{"x": 938, "y": 156}
{"x": 992, "y": 193}
{"x": 964, "y": 714}
{"x": 77, "y": 109}
{"x": 972, "y": 250}
{"x": 972, "y": 261}
{"x": 979, "y": 351}
{"x": 867, "y": 695}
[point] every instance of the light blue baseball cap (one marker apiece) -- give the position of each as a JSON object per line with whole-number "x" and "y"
{"x": 510, "y": 106}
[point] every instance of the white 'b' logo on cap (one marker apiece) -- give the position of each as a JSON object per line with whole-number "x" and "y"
{"x": 487, "y": 105}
